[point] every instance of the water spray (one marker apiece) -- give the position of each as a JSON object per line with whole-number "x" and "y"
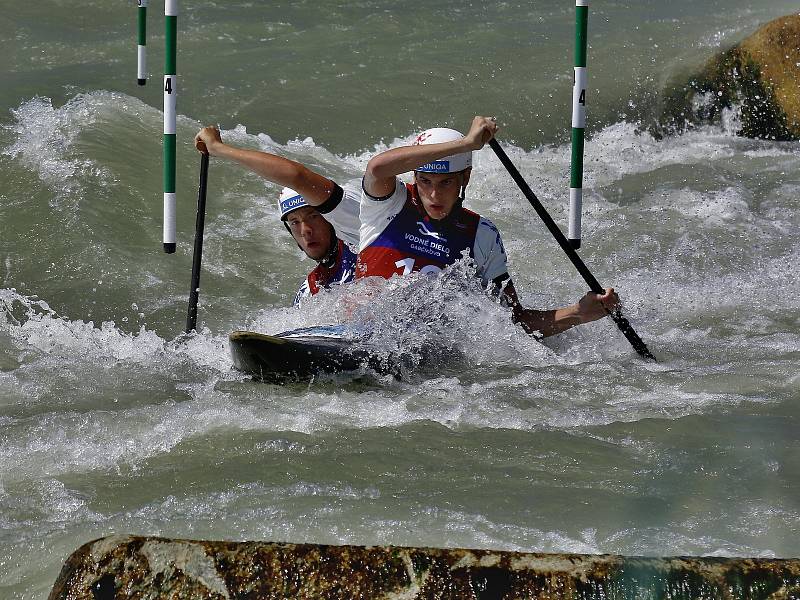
{"x": 578, "y": 124}
{"x": 594, "y": 285}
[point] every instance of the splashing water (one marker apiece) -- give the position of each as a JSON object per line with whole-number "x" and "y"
{"x": 112, "y": 420}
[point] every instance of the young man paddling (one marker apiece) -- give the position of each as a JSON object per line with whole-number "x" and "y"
{"x": 321, "y": 216}
{"x": 423, "y": 226}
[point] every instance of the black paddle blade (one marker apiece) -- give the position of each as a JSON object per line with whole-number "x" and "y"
{"x": 633, "y": 337}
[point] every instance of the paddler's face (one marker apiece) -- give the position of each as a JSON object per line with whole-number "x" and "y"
{"x": 311, "y": 231}
{"x": 439, "y": 192}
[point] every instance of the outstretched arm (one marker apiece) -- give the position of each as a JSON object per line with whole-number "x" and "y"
{"x": 315, "y": 188}
{"x": 379, "y": 178}
{"x": 550, "y": 322}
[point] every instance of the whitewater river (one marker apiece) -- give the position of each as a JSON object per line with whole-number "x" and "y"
{"x": 112, "y": 422}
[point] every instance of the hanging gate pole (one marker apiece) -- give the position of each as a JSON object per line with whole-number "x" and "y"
{"x": 578, "y": 124}
{"x": 141, "y": 50}
{"x": 170, "y": 92}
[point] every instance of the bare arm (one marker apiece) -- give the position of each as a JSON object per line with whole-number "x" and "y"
{"x": 383, "y": 168}
{"x": 550, "y": 322}
{"x": 315, "y": 188}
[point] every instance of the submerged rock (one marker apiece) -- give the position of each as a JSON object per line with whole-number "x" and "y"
{"x": 150, "y": 568}
{"x": 759, "y": 77}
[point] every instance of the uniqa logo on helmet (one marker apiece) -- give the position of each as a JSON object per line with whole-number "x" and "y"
{"x": 289, "y": 201}
{"x": 438, "y": 166}
{"x": 446, "y": 164}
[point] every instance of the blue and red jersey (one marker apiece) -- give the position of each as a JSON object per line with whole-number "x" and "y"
{"x": 323, "y": 277}
{"x": 398, "y": 237}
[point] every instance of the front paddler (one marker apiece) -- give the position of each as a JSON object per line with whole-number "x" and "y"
{"x": 423, "y": 226}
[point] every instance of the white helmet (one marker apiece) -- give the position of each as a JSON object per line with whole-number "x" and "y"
{"x": 289, "y": 201}
{"x": 448, "y": 164}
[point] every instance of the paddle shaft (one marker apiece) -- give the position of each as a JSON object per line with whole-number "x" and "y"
{"x": 197, "y": 257}
{"x": 594, "y": 285}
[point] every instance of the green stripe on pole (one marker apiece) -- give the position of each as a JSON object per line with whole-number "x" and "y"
{"x": 170, "y": 57}
{"x": 142, "y": 38}
{"x": 576, "y": 172}
{"x": 581, "y": 20}
{"x": 169, "y": 163}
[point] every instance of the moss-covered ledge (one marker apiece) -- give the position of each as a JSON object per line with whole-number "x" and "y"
{"x": 148, "y": 568}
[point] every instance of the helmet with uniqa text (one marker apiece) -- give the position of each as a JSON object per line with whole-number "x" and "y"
{"x": 448, "y": 164}
{"x": 290, "y": 201}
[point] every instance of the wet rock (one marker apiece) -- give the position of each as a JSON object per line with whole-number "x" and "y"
{"x": 759, "y": 78}
{"x": 150, "y": 568}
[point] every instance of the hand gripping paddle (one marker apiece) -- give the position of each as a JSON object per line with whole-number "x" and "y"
{"x": 623, "y": 323}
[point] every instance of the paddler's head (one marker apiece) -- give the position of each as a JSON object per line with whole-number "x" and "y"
{"x": 441, "y": 184}
{"x": 314, "y": 235}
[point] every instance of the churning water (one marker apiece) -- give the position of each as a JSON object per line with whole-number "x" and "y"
{"x": 111, "y": 421}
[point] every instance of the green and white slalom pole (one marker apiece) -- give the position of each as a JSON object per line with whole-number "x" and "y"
{"x": 141, "y": 63}
{"x": 170, "y": 91}
{"x": 578, "y": 124}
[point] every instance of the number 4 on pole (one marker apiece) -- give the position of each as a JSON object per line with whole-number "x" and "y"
{"x": 578, "y": 124}
{"x": 170, "y": 92}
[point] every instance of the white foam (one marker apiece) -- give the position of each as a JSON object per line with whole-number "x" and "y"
{"x": 46, "y": 137}
{"x": 730, "y": 207}
{"x": 31, "y": 321}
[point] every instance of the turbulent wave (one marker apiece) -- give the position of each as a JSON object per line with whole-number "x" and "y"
{"x": 689, "y": 215}
{"x": 112, "y": 420}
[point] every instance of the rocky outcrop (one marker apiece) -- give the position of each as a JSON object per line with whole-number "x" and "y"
{"x": 759, "y": 77}
{"x": 151, "y": 568}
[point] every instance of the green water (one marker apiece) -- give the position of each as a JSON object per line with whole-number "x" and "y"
{"x": 112, "y": 423}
